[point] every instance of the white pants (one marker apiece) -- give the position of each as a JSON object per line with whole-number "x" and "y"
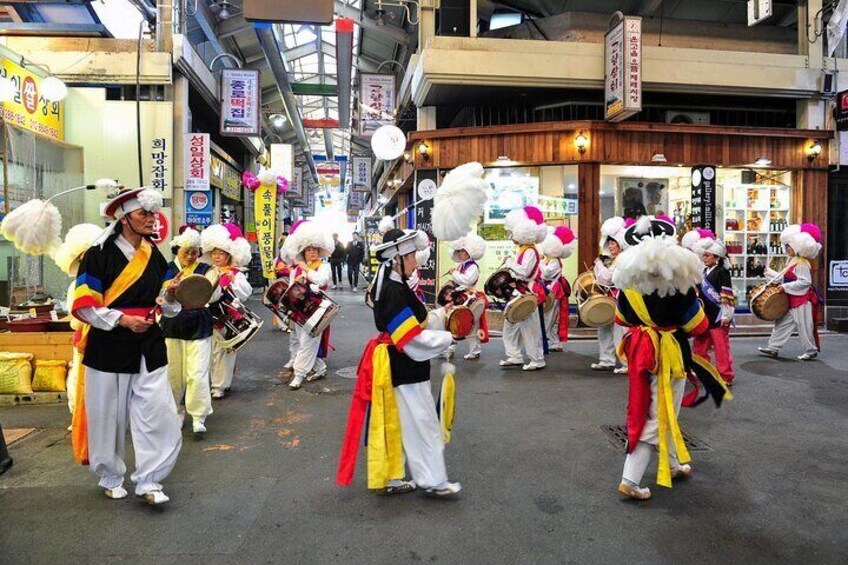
{"x": 474, "y": 346}
{"x": 144, "y": 400}
{"x": 421, "y": 433}
{"x": 552, "y": 326}
{"x": 524, "y": 337}
{"x": 637, "y": 461}
{"x": 188, "y": 372}
{"x": 71, "y": 383}
{"x": 608, "y": 339}
{"x": 223, "y": 366}
{"x": 305, "y": 353}
{"x": 800, "y": 319}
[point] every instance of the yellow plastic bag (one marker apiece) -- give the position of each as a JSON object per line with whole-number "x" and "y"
{"x": 50, "y": 376}
{"x": 15, "y": 373}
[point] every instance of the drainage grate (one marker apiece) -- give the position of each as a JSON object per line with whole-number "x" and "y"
{"x": 347, "y": 372}
{"x": 617, "y": 436}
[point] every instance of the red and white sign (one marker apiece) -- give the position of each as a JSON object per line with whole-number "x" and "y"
{"x": 240, "y": 102}
{"x": 623, "y": 69}
{"x": 160, "y": 228}
{"x": 377, "y": 102}
{"x": 197, "y": 169}
{"x": 199, "y": 200}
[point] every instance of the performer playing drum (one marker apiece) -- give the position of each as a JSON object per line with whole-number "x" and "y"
{"x": 524, "y": 340}
{"x": 612, "y": 243}
{"x": 466, "y": 251}
{"x": 282, "y": 271}
{"x": 229, "y": 253}
{"x": 188, "y": 336}
{"x": 308, "y": 243}
{"x": 558, "y": 245}
{"x": 803, "y": 244}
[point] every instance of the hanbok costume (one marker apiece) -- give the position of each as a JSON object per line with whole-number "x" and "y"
{"x": 609, "y": 336}
{"x": 660, "y": 307}
{"x": 718, "y": 298}
{"x": 67, "y": 257}
{"x": 392, "y": 392}
{"x": 804, "y": 300}
{"x": 558, "y": 245}
{"x": 307, "y": 352}
{"x": 232, "y": 285}
{"x": 526, "y": 339}
{"x": 465, "y": 276}
{"x": 126, "y": 373}
{"x": 282, "y": 270}
{"x": 188, "y": 337}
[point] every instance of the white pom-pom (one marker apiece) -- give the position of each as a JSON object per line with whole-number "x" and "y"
{"x": 267, "y": 176}
{"x": 33, "y": 227}
{"x": 460, "y": 199}
{"x": 643, "y": 225}
{"x": 387, "y": 223}
{"x": 108, "y": 186}
{"x": 77, "y": 241}
{"x": 690, "y": 239}
{"x": 658, "y": 265}
{"x": 150, "y": 200}
{"x": 448, "y": 369}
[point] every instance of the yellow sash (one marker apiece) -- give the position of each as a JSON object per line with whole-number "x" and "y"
{"x": 385, "y": 447}
{"x": 669, "y": 365}
{"x": 447, "y": 405}
{"x": 128, "y": 277}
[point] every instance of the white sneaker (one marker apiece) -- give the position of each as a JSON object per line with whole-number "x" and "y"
{"x": 533, "y": 366}
{"x": 471, "y": 356}
{"x": 353, "y": 289}
{"x": 116, "y": 493}
{"x": 510, "y": 362}
{"x": 555, "y": 348}
{"x": 621, "y": 370}
{"x": 444, "y": 490}
{"x": 315, "y": 375}
{"x": 335, "y": 287}
{"x": 807, "y": 356}
{"x": 681, "y": 472}
{"x": 154, "y": 497}
{"x": 218, "y": 393}
{"x": 198, "y": 427}
{"x": 601, "y": 367}
{"x": 297, "y": 381}
{"x": 635, "y": 492}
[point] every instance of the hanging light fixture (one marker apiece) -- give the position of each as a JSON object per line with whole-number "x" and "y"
{"x": 54, "y": 89}
{"x": 814, "y": 150}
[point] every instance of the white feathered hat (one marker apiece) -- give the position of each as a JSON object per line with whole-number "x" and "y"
{"x": 125, "y": 201}
{"x": 187, "y": 236}
{"x": 471, "y": 243}
{"x": 560, "y": 242}
{"x": 308, "y": 233}
{"x": 692, "y": 240}
{"x": 77, "y": 241}
{"x": 422, "y": 243}
{"x": 459, "y": 201}
{"x": 526, "y": 225}
{"x": 227, "y": 237}
{"x": 613, "y": 229}
{"x": 805, "y": 239}
{"x": 386, "y": 223}
{"x": 654, "y": 262}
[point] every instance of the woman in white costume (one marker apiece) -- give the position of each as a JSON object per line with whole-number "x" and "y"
{"x": 609, "y": 336}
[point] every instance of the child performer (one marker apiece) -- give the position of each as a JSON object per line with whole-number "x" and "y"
{"x": 612, "y": 243}
{"x": 558, "y": 245}
{"x": 466, "y": 251}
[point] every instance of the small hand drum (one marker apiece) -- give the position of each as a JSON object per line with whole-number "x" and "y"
{"x": 194, "y": 291}
{"x": 500, "y": 285}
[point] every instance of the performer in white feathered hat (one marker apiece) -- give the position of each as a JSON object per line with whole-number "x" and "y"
{"x": 525, "y": 340}
{"x": 659, "y": 305}
{"x": 225, "y": 247}
{"x": 394, "y": 375}
{"x": 558, "y": 245}
{"x": 67, "y": 257}
{"x": 612, "y": 244}
{"x": 117, "y": 291}
{"x": 803, "y": 243}
{"x": 308, "y": 244}
{"x": 466, "y": 251}
{"x": 188, "y": 337}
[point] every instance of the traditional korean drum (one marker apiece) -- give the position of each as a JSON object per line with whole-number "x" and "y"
{"x": 768, "y": 302}
{"x": 521, "y": 307}
{"x": 595, "y": 304}
{"x": 313, "y": 311}
{"x": 194, "y": 291}
{"x": 233, "y": 324}
{"x": 460, "y": 322}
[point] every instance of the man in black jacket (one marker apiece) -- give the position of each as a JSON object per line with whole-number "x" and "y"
{"x": 336, "y": 260}
{"x": 355, "y": 254}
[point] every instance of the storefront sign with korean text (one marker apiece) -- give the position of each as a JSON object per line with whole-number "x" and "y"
{"x": 198, "y": 208}
{"x": 28, "y": 109}
{"x": 704, "y": 197}
{"x": 159, "y": 164}
{"x": 376, "y": 102}
{"x": 265, "y": 212}
{"x": 623, "y": 69}
{"x": 295, "y": 190}
{"x": 362, "y": 174}
{"x": 240, "y": 108}
{"x": 197, "y": 169}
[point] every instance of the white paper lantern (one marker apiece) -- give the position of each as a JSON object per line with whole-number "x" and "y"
{"x": 7, "y": 90}
{"x": 388, "y": 142}
{"x": 53, "y": 89}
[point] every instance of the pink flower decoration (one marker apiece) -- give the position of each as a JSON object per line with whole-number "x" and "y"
{"x": 250, "y": 181}
{"x": 282, "y": 185}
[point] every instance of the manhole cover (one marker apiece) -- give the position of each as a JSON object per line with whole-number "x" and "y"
{"x": 617, "y": 436}
{"x": 347, "y": 372}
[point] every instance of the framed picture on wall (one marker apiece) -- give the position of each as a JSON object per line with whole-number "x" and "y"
{"x": 507, "y": 192}
{"x": 636, "y": 196}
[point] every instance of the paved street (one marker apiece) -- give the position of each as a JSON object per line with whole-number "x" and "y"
{"x": 538, "y": 473}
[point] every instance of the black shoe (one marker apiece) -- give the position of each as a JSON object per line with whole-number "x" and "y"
{"x": 5, "y": 464}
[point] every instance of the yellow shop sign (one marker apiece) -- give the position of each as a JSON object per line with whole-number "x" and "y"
{"x": 28, "y": 109}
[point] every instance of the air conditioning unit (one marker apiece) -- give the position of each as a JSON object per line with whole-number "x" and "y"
{"x": 696, "y": 118}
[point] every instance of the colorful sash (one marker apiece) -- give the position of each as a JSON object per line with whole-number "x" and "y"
{"x": 88, "y": 293}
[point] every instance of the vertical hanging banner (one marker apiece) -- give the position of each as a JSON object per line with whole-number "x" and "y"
{"x": 704, "y": 197}
{"x": 295, "y": 190}
{"x": 425, "y": 189}
{"x": 197, "y": 165}
{"x": 362, "y": 174}
{"x": 159, "y": 162}
{"x": 376, "y": 102}
{"x": 623, "y": 69}
{"x": 265, "y": 212}
{"x": 240, "y": 92}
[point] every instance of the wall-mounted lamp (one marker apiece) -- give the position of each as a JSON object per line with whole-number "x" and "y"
{"x": 581, "y": 142}
{"x": 424, "y": 150}
{"x": 762, "y": 162}
{"x": 659, "y": 158}
{"x": 814, "y": 149}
